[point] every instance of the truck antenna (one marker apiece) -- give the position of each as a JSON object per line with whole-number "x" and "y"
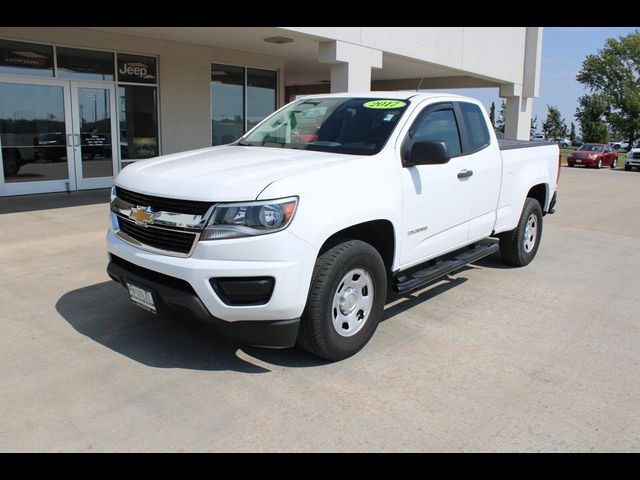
{"x": 418, "y": 89}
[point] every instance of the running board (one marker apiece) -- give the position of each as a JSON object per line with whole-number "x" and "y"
{"x": 405, "y": 283}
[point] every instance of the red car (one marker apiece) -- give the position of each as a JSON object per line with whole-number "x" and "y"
{"x": 593, "y": 155}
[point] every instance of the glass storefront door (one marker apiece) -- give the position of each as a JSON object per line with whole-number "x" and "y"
{"x": 35, "y": 136}
{"x": 56, "y": 135}
{"x": 94, "y": 126}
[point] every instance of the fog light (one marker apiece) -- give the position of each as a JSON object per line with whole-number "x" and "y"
{"x": 242, "y": 291}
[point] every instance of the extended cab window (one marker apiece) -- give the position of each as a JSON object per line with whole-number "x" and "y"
{"x": 439, "y": 126}
{"x": 358, "y": 126}
{"x": 477, "y": 133}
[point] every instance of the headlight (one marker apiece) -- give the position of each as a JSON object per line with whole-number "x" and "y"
{"x": 234, "y": 220}
{"x": 113, "y": 193}
{"x": 593, "y": 156}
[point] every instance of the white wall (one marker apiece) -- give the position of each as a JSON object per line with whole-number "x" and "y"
{"x": 184, "y": 76}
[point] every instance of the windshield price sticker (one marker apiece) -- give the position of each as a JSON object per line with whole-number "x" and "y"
{"x": 384, "y": 104}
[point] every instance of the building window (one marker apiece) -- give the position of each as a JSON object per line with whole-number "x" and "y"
{"x": 138, "y": 122}
{"x": 240, "y": 98}
{"x": 22, "y": 58}
{"x": 261, "y": 95}
{"x": 138, "y": 107}
{"x": 80, "y": 64}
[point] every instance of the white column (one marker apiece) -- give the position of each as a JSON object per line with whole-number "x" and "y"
{"x": 518, "y": 110}
{"x": 350, "y": 65}
{"x": 517, "y": 115}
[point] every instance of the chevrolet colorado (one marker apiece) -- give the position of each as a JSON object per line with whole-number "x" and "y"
{"x": 293, "y": 233}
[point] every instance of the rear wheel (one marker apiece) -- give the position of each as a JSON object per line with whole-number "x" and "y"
{"x": 346, "y": 300}
{"x": 519, "y": 246}
{"x": 614, "y": 162}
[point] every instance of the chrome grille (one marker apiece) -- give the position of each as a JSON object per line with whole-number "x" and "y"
{"x": 159, "y": 204}
{"x": 162, "y": 225}
{"x": 161, "y": 238}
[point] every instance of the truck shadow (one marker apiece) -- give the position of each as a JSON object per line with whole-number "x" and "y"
{"x": 103, "y": 313}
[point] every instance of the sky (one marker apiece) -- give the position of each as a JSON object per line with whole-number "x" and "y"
{"x": 563, "y": 51}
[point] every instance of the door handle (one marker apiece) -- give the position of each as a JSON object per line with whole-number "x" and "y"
{"x": 77, "y": 135}
{"x": 70, "y": 139}
{"x": 465, "y": 173}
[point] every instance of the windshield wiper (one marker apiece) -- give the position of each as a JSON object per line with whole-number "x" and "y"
{"x": 243, "y": 143}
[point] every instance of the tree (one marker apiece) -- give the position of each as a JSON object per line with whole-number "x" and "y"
{"x": 572, "y": 133}
{"x": 590, "y": 114}
{"x": 534, "y": 126}
{"x": 554, "y": 125}
{"x": 500, "y": 119}
{"x": 614, "y": 74}
{"x": 492, "y": 114}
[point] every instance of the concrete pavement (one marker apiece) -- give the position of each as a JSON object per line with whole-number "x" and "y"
{"x": 542, "y": 358}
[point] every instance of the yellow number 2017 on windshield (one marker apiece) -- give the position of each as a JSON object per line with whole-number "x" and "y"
{"x": 384, "y": 104}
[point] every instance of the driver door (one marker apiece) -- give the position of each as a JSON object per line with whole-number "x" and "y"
{"x": 437, "y": 199}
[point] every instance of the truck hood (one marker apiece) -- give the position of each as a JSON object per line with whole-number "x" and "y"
{"x": 224, "y": 173}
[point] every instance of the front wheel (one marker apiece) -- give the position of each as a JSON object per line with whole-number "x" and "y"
{"x": 599, "y": 164}
{"x": 345, "y": 302}
{"x": 519, "y": 246}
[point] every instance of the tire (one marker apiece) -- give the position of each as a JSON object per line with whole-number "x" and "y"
{"x": 322, "y": 325}
{"x": 514, "y": 247}
{"x": 599, "y": 165}
{"x": 627, "y": 168}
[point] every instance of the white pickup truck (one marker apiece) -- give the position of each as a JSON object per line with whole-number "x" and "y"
{"x": 294, "y": 233}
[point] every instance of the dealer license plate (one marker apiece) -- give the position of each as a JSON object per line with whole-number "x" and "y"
{"x": 142, "y": 297}
{"x": 578, "y": 161}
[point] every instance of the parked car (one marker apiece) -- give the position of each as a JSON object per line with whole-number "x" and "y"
{"x": 538, "y": 137}
{"x": 564, "y": 143}
{"x": 632, "y": 158}
{"x": 575, "y": 143}
{"x": 619, "y": 145}
{"x": 593, "y": 155}
{"x": 273, "y": 241}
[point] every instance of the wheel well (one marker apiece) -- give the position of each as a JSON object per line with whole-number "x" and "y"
{"x": 377, "y": 233}
{"x": 539, "y": 192}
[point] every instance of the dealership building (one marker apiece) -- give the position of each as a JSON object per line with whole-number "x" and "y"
{"x": 79, "y": 104}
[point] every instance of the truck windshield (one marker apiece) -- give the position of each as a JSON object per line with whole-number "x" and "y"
{"x": 358, "y": 126}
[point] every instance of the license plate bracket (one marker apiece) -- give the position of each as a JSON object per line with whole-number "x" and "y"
{"x": 142, "y": 296}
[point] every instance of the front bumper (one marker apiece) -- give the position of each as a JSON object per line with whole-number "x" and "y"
{"x": 282, "y": 256}
{"x": 632, "y": 162}
{"x": 177, "y": 297}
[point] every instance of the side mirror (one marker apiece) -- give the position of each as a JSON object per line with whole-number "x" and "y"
{"x": 427, "y": 153}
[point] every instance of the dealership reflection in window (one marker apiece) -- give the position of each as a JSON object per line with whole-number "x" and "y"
{"x": 261, "y": 95}
{"x": 138, "y": 122}
{"x": 20, "y": 58}
{"x": 227, "y": 103}
{"x": 32, "y": 133}
{"x": 230, "y": 85}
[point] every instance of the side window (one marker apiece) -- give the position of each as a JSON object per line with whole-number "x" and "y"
{"x": 439, "y": 126}
{"x": 476, "y": 125}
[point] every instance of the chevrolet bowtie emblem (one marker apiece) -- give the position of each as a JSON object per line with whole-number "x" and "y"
{"x": 142, "y": 215}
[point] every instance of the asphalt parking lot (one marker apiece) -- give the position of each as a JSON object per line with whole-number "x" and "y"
{"x": 542, "y": 358}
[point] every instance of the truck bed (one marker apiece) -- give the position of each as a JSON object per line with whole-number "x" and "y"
{"x": 512, "y": 144}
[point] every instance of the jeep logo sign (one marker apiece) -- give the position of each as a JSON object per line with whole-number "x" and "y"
{"x": 135, "y": 69}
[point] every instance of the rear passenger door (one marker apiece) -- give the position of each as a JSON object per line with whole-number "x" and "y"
{"x": 485, "y": 160}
